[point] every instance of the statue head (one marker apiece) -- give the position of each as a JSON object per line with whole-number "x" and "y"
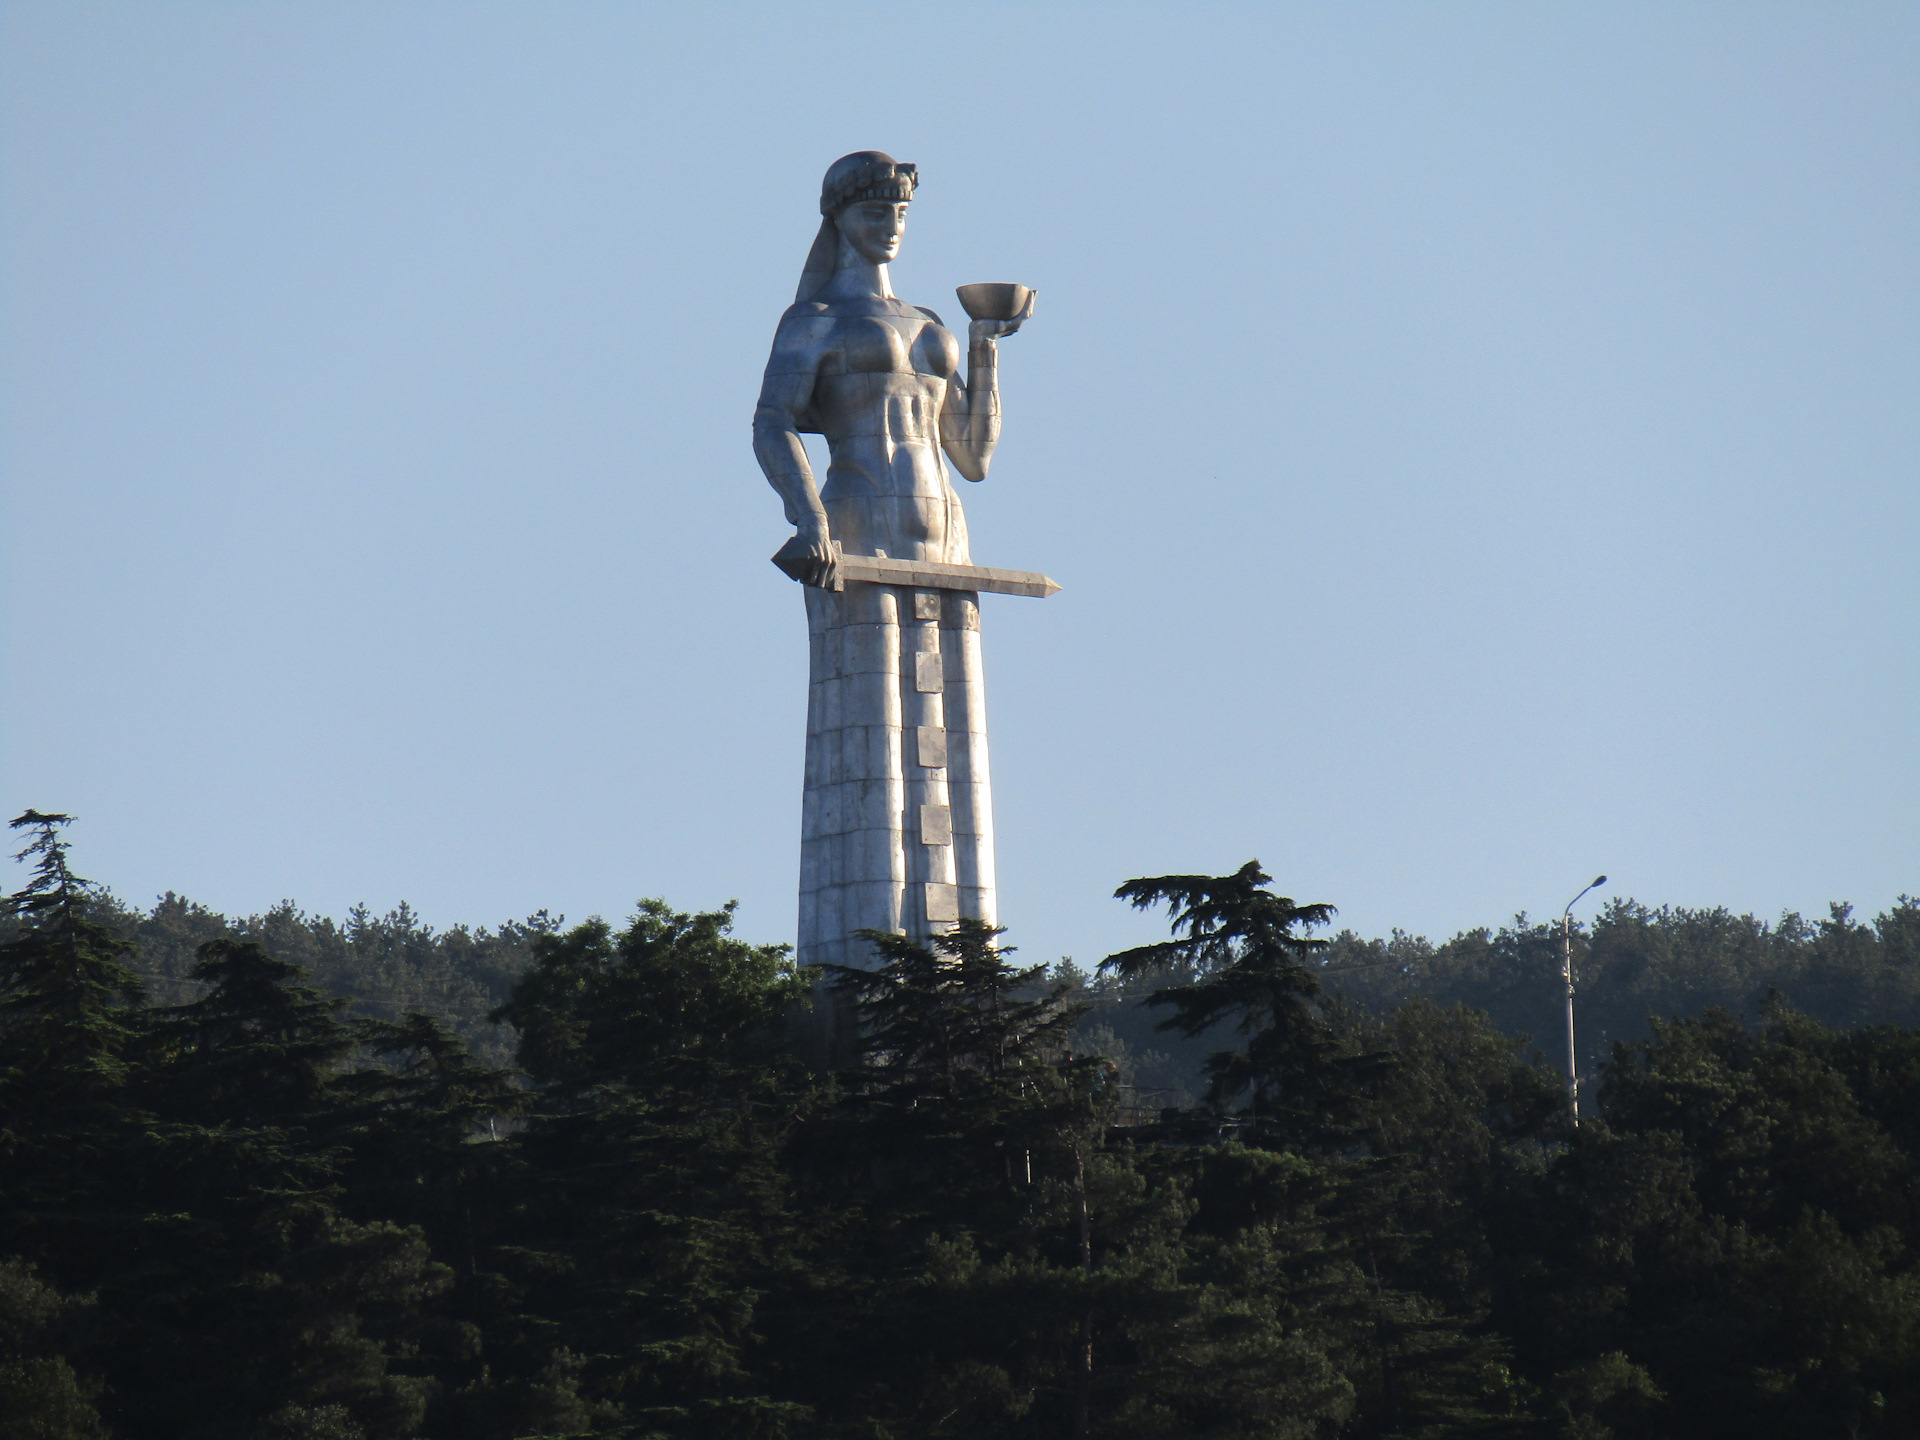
{"x": 866, "y": 175}
{"x": 863, "y": 199}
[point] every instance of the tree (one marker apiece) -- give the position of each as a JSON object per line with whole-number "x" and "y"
{"x": 248, "y": 1298}
{"x": 674, "y": 999}
{"x": 652, "y": 1214}
{"x": 1245, "y": 950}
{"x": 939, "y": 1020}
{"x": 966, "y": 1145}
{"x": 69, "y": 1019}
{"x": 41, "y": 1395}
{"x": 1738, "y": 1229}
{"x": 420, "y": 1117}
{"x": 259, "y": 1047}
{"x": 1011, "y": 1270}
{"x": 1336, "y": 1210}
{"x": 67, "y": 999}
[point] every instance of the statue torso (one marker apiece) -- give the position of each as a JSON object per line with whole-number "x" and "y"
{"x": 882, "y": 370}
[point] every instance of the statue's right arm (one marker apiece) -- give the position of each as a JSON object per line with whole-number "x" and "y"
{"x": 785, "y": 394}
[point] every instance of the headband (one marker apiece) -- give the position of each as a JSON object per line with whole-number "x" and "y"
{"x": 878, "y": 178}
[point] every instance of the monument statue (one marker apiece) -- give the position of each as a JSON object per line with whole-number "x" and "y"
{"x": 897, "y": 815}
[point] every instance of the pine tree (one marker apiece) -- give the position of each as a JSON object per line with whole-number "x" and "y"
{"x": 1243, "y": 951}
{"x": 70, "y": 1027}
{"x": 652, "y": 1219}
{"x": 960, "y": 1151}
{"x": 421, "y": 1117}
{"x": 964, "y": 1070}
{"x": 67, "y": 999}
{"x": 1345, "y": 1258}
{"x": 42, "y": 1396}
{"x": 259, "y": 1047}
{"x": 251, "y": 1301}
{"x": 954, "y": 1015}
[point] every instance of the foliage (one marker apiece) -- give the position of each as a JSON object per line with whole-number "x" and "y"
{"x": 1634, "y": 963}
{"x": 651, "y": 1212}
{"x": 388, "y": 965}
{"x": 66, "y": 994}
{"x": 1243, "y": 954}
{"x": 1745, "y": 1234}
{"x": 240, "y": 1200}
{"x": 41, "y": 1396}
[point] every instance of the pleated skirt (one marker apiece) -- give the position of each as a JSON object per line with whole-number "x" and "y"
{"x": 897, "y": 817}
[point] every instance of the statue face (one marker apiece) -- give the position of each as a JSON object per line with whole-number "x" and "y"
{"x": 874, "y": 228}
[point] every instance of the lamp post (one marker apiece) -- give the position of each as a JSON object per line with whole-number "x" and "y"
{"x": 1566, "y": 974}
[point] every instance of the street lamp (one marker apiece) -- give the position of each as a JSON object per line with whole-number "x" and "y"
{"x": 1566, "y": 974}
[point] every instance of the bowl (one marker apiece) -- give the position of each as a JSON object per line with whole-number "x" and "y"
{"x": 993, "y": 300}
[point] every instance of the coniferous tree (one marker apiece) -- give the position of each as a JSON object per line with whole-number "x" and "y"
{"x": 1345, "y": 1252}
{"x": 963, "y": 1144}
{"x": 422, "y": 1117}
{"x": 1738, "y": 1232}
{"x": 251, "y": 1299}
{"x": 67, "y": 1016}
{"x": 69, "y": 1025}
{"x": 954, "y": 1042}
{"x": 654, "y": 1216}
{"x": 247, "y": 1216}
{"x": 1020, "y": 1274}
{"x": 258, "y": 1048}
{"x": 1245, "y": 952}
{"x": 42, "y": 1397}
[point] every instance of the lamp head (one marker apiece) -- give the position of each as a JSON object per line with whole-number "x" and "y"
{"x": 1600, "y": 881}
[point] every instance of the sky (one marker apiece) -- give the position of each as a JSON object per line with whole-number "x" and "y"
{"x": 1477, "y": 443}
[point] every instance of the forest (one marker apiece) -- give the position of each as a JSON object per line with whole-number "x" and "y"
{"x": 275, "y": 1178}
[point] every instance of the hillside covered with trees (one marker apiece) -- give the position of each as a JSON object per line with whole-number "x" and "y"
{"x": 1632, "y": 965}
{"x": 256, "y": 1180}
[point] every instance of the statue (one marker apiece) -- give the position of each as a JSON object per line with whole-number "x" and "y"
{"x": 897, "y": 816}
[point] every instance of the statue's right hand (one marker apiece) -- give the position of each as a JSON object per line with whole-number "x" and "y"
{"x": 809, "y": 558}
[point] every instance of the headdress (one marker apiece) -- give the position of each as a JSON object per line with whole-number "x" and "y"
{"x": 863, "y": 175}
{"x": 866, "y": 175}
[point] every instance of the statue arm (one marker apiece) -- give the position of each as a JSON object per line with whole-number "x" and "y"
{"x": 785, "y": 393}
{"x": 970, "y": 420}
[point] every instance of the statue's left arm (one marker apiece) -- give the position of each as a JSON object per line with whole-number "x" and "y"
{"x": 970, "y": 421}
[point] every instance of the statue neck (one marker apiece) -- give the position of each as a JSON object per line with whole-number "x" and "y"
{"x": 855, "y": 277}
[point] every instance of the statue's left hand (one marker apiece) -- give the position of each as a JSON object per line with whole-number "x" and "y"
{"x": 996, "y": 329}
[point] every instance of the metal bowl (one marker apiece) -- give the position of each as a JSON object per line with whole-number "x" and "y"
{"x": 993, "y": 300}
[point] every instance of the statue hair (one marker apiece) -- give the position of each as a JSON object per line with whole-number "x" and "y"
{"x": 863, "y": 175}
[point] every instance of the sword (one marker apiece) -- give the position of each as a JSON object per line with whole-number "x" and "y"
{"x": 793, "y": 562}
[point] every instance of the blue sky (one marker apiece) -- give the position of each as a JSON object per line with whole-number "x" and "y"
{"x": 1478, "y": 444}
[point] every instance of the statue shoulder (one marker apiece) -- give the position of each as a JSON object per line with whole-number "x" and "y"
{"x": 804, "y": 335}
{"x": 931, "y": 316}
